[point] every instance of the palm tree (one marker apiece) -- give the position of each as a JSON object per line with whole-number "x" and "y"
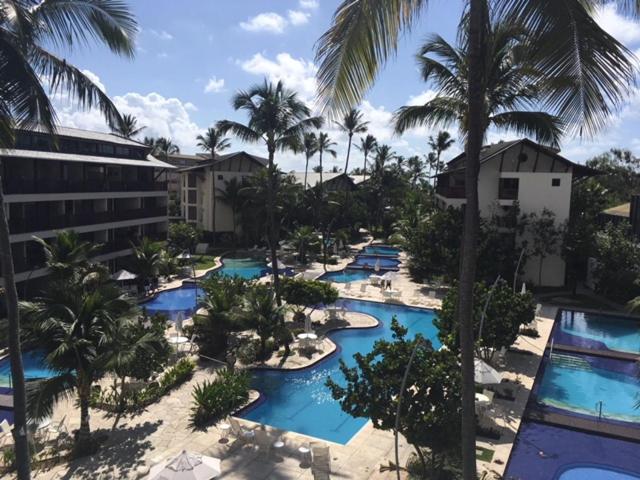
{"x": 416, "y": 169}
{"x": 232, "y": 195}
{"x": 128, "y": 128}
{"x": 27, "y": 29}
{"x": 67, "y": 255}
{"x": 214, "y": 142}
{"x": 587, "y": 74}
{"x": 278, "y": 118}
{"x": 310, "y": 146}
{"x": 303, "y": 237}
{"x": 324, "y": 144}
{"x": 146, "y": 260}
{"x": 352, "y": 123}
{"x": 442, "y": 142}
{"x": 74, "y": 324}
{"x": 161, "y": 147}
{"x": 262, "y": 313}
{"x": 367, "y": 145}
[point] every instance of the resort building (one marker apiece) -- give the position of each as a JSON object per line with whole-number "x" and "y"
{"x": 107, "y": 188}
{"x": 202, "y": 187}
{"x": 522, "y": 171}
{"x": 174, "y": 178}
{"x": 331, "y": 181}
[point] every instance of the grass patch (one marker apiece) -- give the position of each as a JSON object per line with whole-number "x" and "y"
{"x": 204, "y": 262}
{"x": 484, "y": 454}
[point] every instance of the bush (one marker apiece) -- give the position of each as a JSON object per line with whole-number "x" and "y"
{"x": 307, "y": 292}
{"x": 248, "y": 352}
{"x": 216, "y": 399}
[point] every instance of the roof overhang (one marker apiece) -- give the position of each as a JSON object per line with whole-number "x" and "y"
{"x": 150, "y": 162}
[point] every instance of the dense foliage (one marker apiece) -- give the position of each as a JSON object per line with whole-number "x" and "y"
{"x": 305, "y": 293}
{"x": 430, "y": 410}
{"x": 213, "y": 400}
{"x": 506, "y": 312}
{"x": 182, "y": 237}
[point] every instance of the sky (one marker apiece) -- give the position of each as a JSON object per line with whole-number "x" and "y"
{"x": 193, "y": 55}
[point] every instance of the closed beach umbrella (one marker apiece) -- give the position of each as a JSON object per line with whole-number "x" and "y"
{"x": 307, "y": 323}
{"x": 123, "y": 276}
{"x": 524, "y": 288}
{"x": 187, "y": 466}
{"x": 376, "y": 267}
{"x": 179, "y": 320}
{"x": 484, "y": 373}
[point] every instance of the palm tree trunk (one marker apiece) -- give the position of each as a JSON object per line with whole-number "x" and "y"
{"x": 306, "y": 168}
{"x": 346, "y": 165}
{"x": 273, "y": 227}
{"x": 23, "y": 464}
{"x": 476, "y": 129}
{"x": 235, "y": 234}
{"x": 84, "y": 444}
{"x": 364, "y": 169}
{"x": 213, "y": 186}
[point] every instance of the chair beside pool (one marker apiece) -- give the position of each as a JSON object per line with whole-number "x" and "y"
{"x": 320, "y": 462}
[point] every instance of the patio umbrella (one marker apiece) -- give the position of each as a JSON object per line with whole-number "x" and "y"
{"x": 179, "y": 320}
{"x": 524, "y": 288}
{"x": 123, "y": 276}
{"x": 485, "y": 374}
{"x": 187, "y": 466}
{"x": 307, "y": 323}
{"x": 376, "y": 267}
{"x": 184, "y": 256}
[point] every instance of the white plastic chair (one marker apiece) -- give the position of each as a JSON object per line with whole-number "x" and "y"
{"x": 363, "y": 288}
{"x": 5, "y": 431}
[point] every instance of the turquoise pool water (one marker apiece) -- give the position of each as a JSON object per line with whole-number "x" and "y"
{"x": 381, "y": 250}
{"x": 616, "y": 333}
{"x": 595, "y": 473}
{"x": 247, "y": 268}
{"x": 578, "y": 386}
{"x": 347, "y": 275}
{"x": 370, "y": 261}
{"x": 299, "y": 401}
{"x": 34, "y": 365}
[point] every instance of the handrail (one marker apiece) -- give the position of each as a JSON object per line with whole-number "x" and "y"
{"x": 213, "y": 359}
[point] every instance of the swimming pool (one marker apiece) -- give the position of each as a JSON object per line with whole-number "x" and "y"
{"x": 577, "y": 383}
{"x": 597, "y": 332}
{"x": 34, "y": 364}
{"x": 370, "y": 261}
{"x": 299, "y": 401}
{"x": 247, "y": 268}
{"x": 381, "y": 250}
{"x": 545, "y": 452}
{"x": 347, "y": 275}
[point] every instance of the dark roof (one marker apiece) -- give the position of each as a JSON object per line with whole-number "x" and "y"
{"x": 490, "y": 151}
{"x": 220, "y": 158}
{"x": 89, "y": 135}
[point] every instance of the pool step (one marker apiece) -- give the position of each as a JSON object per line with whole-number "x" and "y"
{"x": 569, "y": 361}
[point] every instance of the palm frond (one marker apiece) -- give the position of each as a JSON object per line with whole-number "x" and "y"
{"x": 545, "y": 128}
{"x": 241, "y": 131}
{"x": 443, "y": 111}
{"x": 42, "y": 395}
{"x": 364, "y": 34}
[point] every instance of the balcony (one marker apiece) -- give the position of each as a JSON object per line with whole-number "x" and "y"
{"x": 451, "y": 191}
{"x": 66, "y": 186}
{"x": 39, "y": 222}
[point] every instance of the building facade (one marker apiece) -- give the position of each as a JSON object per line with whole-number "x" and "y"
{"x": 202, "y": 188}
{"x": 522, "y": 171}
{"x": 107, "y": 188}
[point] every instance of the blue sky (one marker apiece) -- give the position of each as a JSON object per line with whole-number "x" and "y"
{"x": 193, "y": 54}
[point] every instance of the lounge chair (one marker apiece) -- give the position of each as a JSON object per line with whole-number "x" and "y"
{"x": 347, "y": 287}
{"x": 320, "y": 462}
{"x": 264, "y": 442}
{"x": 242, "y": 434}
{"x": 5, "y": 431}
{"x": 58, "y": 428}
{"x": 363, "y": 289}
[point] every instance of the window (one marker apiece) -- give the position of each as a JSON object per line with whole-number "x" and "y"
{"x": 193, "y": 213}
{"x": 555, "y": 182}
{"x": 193, "y": 196}
{"x": 220, "y": 177}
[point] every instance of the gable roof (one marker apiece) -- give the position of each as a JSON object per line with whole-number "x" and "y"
{"x": 313, "y": 178}
{"x": 88, "y": 135}
{"x": 204, "y": 162}
{"x": 490, "y": 151}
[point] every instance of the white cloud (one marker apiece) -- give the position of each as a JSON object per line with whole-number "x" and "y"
{"x": 421, "y": 98}
{"x": 308, "y": 4}
{"x": 162, "y": 55}
{"x": 214, "y": 85}
{"x": 296, "y": 73}
{"x": 297, "y": 17}
{"x": 265, "y": 22}
{"x": 162, "y": 34}
{"x": 95, "y": 79}
{"x": 624, "y": 29}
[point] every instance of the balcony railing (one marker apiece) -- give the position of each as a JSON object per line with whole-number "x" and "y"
{"x": 451, "y": 191}
{"x": 37, "y": 223}
{"x": 64, "y": 186}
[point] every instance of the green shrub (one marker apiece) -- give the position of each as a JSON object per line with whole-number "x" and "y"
{"x": 213, "y": 400}
{"x": 248, "y": 352}
{"x": 307, "y": 292}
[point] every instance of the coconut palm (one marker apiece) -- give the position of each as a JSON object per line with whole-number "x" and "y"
{"x": 439, "y": 144}
{"x": 303, "y": 237}
{"x": 161, "y": 147}
{"x": 416, "y": 170}
{"x": 232, "y": 196}
{"x": 27, "y": 29}
{"x": 67, "y": 255}
{"x": 588, "y": 74}
{"x": 278, "y": 118}
{"x": 367, "y": 145}
{"x": 352, "y": 123}
{"x": 75, "y": 325}
{"x": 146, "y": 260}
{"x": 324, "y": 145}
{"x": 128, "y": 128}
{"x": 310, "y": 147}
{"x": 262, "y": 313}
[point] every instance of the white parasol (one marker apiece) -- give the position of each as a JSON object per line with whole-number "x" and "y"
{"x": 187, "y": 466}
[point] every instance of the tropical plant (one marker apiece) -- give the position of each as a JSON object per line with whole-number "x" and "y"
{"x": 75, "y": 324}
{"x": 416, "y": 170}
{"x": 213, "y": 400}
{"x": 367, "y": 145}
{"x": 261, "y": 313}
{"x": 430, "y": 409}
{"x": 545, "y": 236}
{"x": 304, "y": 237}
{"x": 617, "y": 263}
{"x": 324, "y": 145}
{"x": 128, "y": 127}
{"x": 145, "y": 261}
{"x": 231, "y": 195}
{"x": 161, "y": 147}
{"x": 308, "y": 293}
{"x": 278, "y": 118}
{"x": 586, "y": 75}
{"x": 182, "y": 236}
{"x": 310, "y": 147}
{"x": 213, "y": 142}
{"x": 67, "y": 255}
{"x": 352, "y": 122}
{"x": 439, "y": 144}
